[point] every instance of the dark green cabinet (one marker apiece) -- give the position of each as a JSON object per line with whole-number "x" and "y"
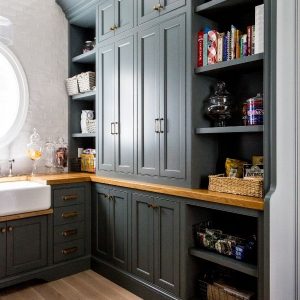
{"x": 110, "y": 225}
{"x": 150, "y": 9}
{"x": 161, "y": 100}
{"x": 155, "y": 240}
{"x": 114, "y": 17}
{"x": 23, "y": 245}
{"x": 116, "y": 107}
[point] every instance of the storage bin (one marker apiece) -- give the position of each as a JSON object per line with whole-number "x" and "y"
{"x": 72, "y": 86}
{"x": 86, "y": 81}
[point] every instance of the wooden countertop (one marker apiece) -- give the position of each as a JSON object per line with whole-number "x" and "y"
{"x": 194, "y": 194}
{"x": 26, "y": 215}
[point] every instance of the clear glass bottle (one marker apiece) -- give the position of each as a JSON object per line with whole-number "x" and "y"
{"x": 61, "y": 154}
{"x": 34, "y": 150}
{"x": 49, "y": 154}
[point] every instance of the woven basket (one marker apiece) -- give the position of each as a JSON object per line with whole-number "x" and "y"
{"x": 91, "y": 126}
{"x": 247, "y": 187}
{"x": 72, "y": 86}
{"x": 86, "y": 81}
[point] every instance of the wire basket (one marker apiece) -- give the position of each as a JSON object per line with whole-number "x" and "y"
{"x": 247, "y": 187}
{"x": 72, "y": 86}
{"x": 86, "y": 81}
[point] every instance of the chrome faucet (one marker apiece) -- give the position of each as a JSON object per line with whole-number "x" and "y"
{"x": 11, "y": 161}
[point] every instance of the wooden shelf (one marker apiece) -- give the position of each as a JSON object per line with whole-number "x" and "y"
{"x": 83, "y": 135}
{"x": 85, "y": 58}
{"x": 230, "y": 129}
{"x": 88, "y": 96}
{"x": 247, "y": 63}
{"x": 228, "y": 262}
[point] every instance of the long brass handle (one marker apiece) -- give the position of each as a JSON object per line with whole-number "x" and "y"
{"x": 3, "y": 230}
{"x": 116, "y": 127}
{"x": 70, "y": 197}
{"x": 10, "y": 229}
{"x": 68, "y": 251}
{"x": 161, "y": 125}
{"x": 157, "y": 126}
{"x": 69, "y": 232}
{"x": 112, "y": 128}
{"x": 70, "y": 214}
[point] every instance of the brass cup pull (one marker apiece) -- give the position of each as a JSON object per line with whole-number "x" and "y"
{"x": 68, "y": 251}
{"x": 113, "y": 28}
{"x": 10, "y": 229}
{"x": 3, "y": 230}
{"x": 70, "y": 214}
{"x": 153, "y": 206}
{"x": 69, "y": 197}
{"x": 69, "y": 232}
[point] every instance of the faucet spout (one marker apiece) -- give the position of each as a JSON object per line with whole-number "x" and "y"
{"x": 11, "y": 161}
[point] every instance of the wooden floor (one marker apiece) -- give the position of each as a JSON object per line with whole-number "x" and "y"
{"x": 82, "y": 286}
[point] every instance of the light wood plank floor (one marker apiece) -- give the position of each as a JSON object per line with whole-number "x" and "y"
{"x": 86, "y": 285}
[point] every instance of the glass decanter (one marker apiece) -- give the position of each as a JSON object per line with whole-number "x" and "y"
{"x": 34, "y": 150}
{"x": 49, "y": 153}
{"x": 61, "y": 154}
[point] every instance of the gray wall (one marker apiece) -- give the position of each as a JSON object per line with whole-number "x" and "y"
{"x": 41, "y": 45}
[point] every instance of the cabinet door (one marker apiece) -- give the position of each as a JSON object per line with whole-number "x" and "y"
{"x": 169, "y": 5}
{"x": 106, "y": 20}
{"x": 123, "y": 15}
{"x": 172, "y": 98}
{"x": 119, "y": 228}
{"x": 100, "y": 222}
{"x": 2, "y": 249}
{"x": 146, "y": 10}
{"x": 148, "y": 102}
{"x": 124, "y": 101}
{"x": 142, "y": 236}
{"x": 106, "y": 86}
{"x": 26, "y": 244}
{"x": 166, "y": 244}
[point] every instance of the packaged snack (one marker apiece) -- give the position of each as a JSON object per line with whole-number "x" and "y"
{"x": 257, "y": 160}
{"x": 251, "y": 171}
{"x": 234, "y": 167}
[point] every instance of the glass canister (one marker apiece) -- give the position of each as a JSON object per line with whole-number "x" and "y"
{"x": 34, "y": 150}
{"x": 255, "y": 110}
{"x": 219, "y": 107}
{"x": 49, "y": 153}
{"x": 61, "y": 154}
{"x": 88, "y": 46}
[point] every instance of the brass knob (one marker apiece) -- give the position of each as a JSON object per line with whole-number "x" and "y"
{"x": 3, "y": 230}
{"x": 112, "y": 198}
{"x": 113, "y": 28}
{"x": 10, "y": 229}
{"x": 158, "y": 7}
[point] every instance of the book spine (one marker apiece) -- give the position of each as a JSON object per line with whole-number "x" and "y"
{"x": 244, "y": 43}
{"x": 232, "y": 44}
{"x": 212, "y": 47}
{"x": 200, "y": 49}
{"x": 249, "y": 39}
{"x": 237, "y": 44}
{"x": 220, "y": 47}
{"x": 205, "y": 49}
{"x": 225, "y": 47}
{"x": 253, "y": 40}
{"x": 228, "y": 45}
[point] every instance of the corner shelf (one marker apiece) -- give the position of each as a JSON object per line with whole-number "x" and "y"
{"x": 83, "y": 135}
{"x": 230, "y": 129}
{"x": 246, "y": 63}
{"x": 85, "y": 58}
{"x": 228, "y": 262}
{"x": 87, "y": 96}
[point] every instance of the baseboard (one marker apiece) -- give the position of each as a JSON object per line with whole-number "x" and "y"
{"x": 130, "y": 282}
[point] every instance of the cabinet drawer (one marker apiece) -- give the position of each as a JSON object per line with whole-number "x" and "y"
{"x": 68, "y": 232}
{"x": 68, "y": 196}
{"x": 70, "y": 250}
{"x": 68, "y": 214}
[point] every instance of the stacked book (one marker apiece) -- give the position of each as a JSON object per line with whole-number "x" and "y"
{"x": 214, "y": 47}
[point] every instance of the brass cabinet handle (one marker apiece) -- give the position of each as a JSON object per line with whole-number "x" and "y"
{"x": 3, "y": 230}
{"x": 157, "y": 126}
{"x": 112, "y": 128}
{"x": 69, "y": 197}
{"x": 116, "y": 127}
{"x": 68, "y": 251}
{"x": 69, "y": 232}
{"x": 153, "y": 206}
{"x": 158, "y": 7}
{"x": 113, "y": 28}
{"x": 112, "y": 198}
{"x": 161, "y": 125}
{"x": 70, "y": 214}
{"x": 10, "y": 229}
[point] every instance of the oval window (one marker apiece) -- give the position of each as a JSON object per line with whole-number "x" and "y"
{"x": 13, "y": 96}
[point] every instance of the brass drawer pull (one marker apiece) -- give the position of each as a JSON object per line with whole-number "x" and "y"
{"x": 68, "y": 251}
{"x": 153, "y": 206}
{"x": 10, "y": 229}
{"x": 70, "y": 197}
{"x": 3, "y": 230}
{"x": 69, "y": 232}
{"x": 70, "y": 214}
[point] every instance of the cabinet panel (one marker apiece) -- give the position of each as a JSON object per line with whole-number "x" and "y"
{"x": 142, "y": 236}
{"x": 2, "y": 249}
{"x": 68, "y": 196}
{"x": 124, "y": 15}
{"x": 148, "y": 102}
{"x": 166, "y": 241}
{"x": 69, "y": 214}
{"x": 106, "y": 159}
{"x": 169, "y": 5}
{"x": 146, "y": 10}
{"x": 106, "y": 17}
{"x": 69, "y": 250}
{"x": 124, "y": 104}
{"x": 26, "y": 245}
{"x": 68, "y": 232}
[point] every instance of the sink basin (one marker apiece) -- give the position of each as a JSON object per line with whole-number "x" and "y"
{"x": 23, "y": 196}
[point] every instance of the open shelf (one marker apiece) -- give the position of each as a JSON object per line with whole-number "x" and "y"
{"x": 230, "y": 129}
{"x": 228, "y": 262}
{"x": 247, "y": 63}
{"x": 83, "y": 135}
{"x": 85, "y": 58}
{"x": 87, "y": 96}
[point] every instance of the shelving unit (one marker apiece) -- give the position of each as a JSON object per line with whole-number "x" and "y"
{"x": 230, "y": 129}
{"x": 85, "y": 58}
{"x": 88, "y": 96}
{"x": 83, "y": 135}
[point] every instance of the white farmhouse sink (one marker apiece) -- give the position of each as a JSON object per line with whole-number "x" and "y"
{"x": 23, "y": 196}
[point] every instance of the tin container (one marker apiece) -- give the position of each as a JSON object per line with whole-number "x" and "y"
{"x": 255, "y": 110}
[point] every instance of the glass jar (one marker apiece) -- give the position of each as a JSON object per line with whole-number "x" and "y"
{"x": 34, "y": 150}
{"x": 88, "y": 46}
{"x": 255, "y": 110}
{"x": 49, "y": 153}
{"x": 61, "y": 154}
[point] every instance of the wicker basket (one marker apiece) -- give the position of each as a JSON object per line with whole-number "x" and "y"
{"x": 72, "y": 86}
{"x": 86, "y": 81}
{"x": 91, "y": 126}
{"x": 247, "y": 187}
